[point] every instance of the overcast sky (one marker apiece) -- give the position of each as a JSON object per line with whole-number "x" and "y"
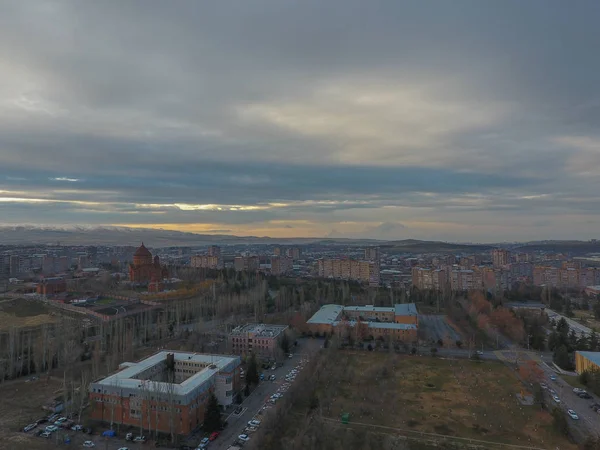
{"x": 453, "y": 120}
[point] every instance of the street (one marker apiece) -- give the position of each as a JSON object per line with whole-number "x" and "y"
{"x": 253, "y": 404}
{"x": 588, "y": 419}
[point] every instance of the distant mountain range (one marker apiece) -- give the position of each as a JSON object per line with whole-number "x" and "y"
{"x": 109, "y": 235}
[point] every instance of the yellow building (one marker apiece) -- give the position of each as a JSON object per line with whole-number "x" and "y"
{"x": 585, "y": 361}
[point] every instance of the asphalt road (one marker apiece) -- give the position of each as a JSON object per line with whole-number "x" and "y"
{"x": 252, "y": 404}
{"x": 588, "y": 419}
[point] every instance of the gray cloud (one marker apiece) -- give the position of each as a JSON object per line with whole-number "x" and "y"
{"x": 370, "y": 118}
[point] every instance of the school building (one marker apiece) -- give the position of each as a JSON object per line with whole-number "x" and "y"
{"x": 168, "y": 390}
{"x": 400, "y": 322}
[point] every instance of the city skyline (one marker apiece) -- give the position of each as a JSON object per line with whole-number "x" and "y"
{"x": 454, "y": 121}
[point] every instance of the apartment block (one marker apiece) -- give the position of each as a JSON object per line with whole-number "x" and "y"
{"x": 214, "y": 250}
{"x": 350, "y": 269}
{"x": 500, "y": 257}
{"x": 372, "y": 254}
{"x": 246, "y": 263}
{"x": 281, "y": 265}
{"x": 167, "y": 389}
{"x": 206, "y": 261}
{"x": 261, "y": 339}
{"x": 51, "y": 286}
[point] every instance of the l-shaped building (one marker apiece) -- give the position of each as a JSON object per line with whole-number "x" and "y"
{"x": 399, "y": 322}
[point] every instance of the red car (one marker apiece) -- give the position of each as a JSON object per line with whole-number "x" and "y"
{"x": 214, "y": 435}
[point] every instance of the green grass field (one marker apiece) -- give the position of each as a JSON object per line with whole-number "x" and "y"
{"x": 459, "y": 398}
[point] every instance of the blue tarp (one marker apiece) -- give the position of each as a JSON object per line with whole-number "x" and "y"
{"x": 109, "y": 433}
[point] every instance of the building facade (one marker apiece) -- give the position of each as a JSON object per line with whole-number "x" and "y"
{"x": 398, "y": 323}
{"x": 500, "y": 257}
{"x": 165, "y": 392}
{"x": 350, "y": 269}
{"x": 146, "y": 269}
{"x": 206, "y": 261}
{"x": 261, "y": 339}
{"x": 587, "y": 361}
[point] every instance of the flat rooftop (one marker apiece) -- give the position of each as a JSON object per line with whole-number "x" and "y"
{"x": 126, "y": 378}
{"x": 369, "y": 308}
{"x": 327, "y": 314}
{"x": 405, "y": 309}
{"x": 259, "y": 330}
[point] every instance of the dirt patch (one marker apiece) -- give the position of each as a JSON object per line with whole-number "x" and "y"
{"x": 24, "y": 313}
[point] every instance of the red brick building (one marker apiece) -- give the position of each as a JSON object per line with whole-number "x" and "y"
{"x": 146, "y": 269}
{"x": 52, "y": 286}
{"x": 168, "y": 390}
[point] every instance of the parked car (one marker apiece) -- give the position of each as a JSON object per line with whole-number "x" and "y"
{"x": 544, "y": 385}
{"x": 272, "y": 378}
{"x": 573, "y": 414}
{"x": 140, "y": 439}
{"x": 45, "y": 434}
{"x": 577, "y": 390}
{"x": 129, "y": 437}
{"x": 213, "y": 435}
{"x": 29, "y": 427}
{"x": 123, "y": 448}
{"x": 254, "y": 423}
{"x": 553, "y": 377}
{"x": 584, "y": 395}
{"x": 556, "y": 399}
{"x": 77, "y": 428}
{"x": 51, "y": 428}
{"x": 244, "y": 437}
{"x": 89, "y": 444}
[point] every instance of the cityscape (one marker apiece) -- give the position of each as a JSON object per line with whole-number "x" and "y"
{"x": 300, "y": 225}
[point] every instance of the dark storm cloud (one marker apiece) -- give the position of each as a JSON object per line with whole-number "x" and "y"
{"x": 335, "y": 107}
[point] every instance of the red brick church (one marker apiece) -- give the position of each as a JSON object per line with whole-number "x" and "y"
{"x": 147, "y": 270}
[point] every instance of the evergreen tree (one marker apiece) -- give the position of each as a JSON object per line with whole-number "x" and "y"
{"x": 572, "y": 341}
{"x": 285, "y": 343}
{"x": 562, "y": 326}
{"x": 252, "y": 372}
{"x": 593, "y": 342}
{"x": 562, "y": 358}
{"x": 212, "y": 416}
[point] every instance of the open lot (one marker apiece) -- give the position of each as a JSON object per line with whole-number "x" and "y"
{"x": 22, "y": 404}
{"x": 24, "y": 313}
{"x": 399, "y": 394}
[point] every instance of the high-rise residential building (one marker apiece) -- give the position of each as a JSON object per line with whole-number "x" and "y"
{"x": 277, "y": 251}
{"x": 294, "y": 252}
{"x": 500, "y": 257}
{"x": 206, "y": 262}
{"x": 350, "y": 269}
{"x": 246, "y": 263}
{"x": 281, "y": 265}
{"x": 15, "y": 264}
{"x": 372, "y": 254}
{"x": 214, "y": 250}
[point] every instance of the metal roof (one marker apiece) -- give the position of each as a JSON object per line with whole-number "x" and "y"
{"x": 327, "y": 314}
{"x": 592, "y": 356}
